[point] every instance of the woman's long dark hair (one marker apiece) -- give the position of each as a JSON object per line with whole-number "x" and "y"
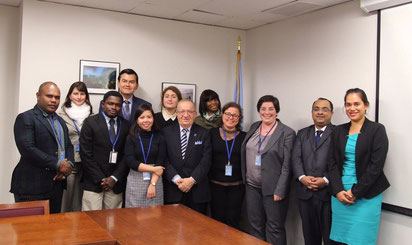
{"x": 81, "y": 86}
{"x": 135, "y": 129}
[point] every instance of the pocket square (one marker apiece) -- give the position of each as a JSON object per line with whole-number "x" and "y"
{"x": 199, "y": 142}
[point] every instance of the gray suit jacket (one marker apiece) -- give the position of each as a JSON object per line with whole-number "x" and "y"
{"x": 275, "y": 159}
{"x": 312, "y": 160}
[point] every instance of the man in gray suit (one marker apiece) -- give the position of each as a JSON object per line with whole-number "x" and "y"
{"x": 309, "y": 163}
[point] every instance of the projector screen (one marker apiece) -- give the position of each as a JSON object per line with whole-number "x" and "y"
{"x": 395, "y": 101}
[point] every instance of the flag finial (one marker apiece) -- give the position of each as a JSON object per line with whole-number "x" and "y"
{"x": 239, "y": 42}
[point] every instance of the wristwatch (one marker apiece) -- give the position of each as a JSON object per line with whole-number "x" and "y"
{"x": 153, "y": 183}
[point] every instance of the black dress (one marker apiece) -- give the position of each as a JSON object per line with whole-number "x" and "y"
{"x": 161, "y": 122}
{"x": 227, "y": 191}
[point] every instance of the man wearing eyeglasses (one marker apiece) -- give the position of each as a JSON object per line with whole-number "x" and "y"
{"x": 189, "y": 159}
{"x": 309, "y": 163}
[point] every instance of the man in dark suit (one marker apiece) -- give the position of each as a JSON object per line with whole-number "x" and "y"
{"x": 46, "y": 151}
{"x": 101, "y": 149}
{"x": 189, "y": 159}
{"x": 128, "y": 83}
{"x": 309, "y": 162}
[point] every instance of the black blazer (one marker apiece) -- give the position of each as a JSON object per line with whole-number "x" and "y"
{"x": 196, "y": 163}
{"x": 309, "y": 159}
{"x": 276, "y": 158}
{"x": 370, "y": 155}
{"x": 38, "y": 148}
{"x": 95, "y": 147}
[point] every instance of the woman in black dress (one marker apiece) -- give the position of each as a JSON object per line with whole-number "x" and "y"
{"x": 225, "y": 173}
{"x": 167, "y": 116}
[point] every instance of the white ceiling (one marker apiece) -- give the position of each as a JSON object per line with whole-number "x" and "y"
{"x": 238, "y": 14}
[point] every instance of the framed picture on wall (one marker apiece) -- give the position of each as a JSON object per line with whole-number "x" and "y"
{"x": 99, "y": 76}
{"x": 187, "y": 90}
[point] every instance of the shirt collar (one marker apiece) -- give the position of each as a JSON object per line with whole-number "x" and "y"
{"x": 323, "y": 129}
{"x": 45, "y": 114}
{"x": 108, "y": 118}
{"x": 166, "y": 115}
{"x": 129, "y": 99}
{"x": 188, "y": 129}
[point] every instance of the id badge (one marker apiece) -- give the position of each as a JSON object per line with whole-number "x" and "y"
{"x": 62, "y": 156}
{"x": 77, "y": 147}
{"x": 146, "y": 175}
{"x": 113, "y": 157}
{"x": 228, "y": 170}
{"x": 258, "y": 161}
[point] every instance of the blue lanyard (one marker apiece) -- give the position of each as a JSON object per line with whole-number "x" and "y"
{"x": 145, "y": 157}
{"x": 229, "y": 153}
{"x": 118, "y": 132}
{"x": 125, "y": 114}
{"x": 77, "y": 129}
{"x": 260, "y": 131}
{"x": 58, "y": 135}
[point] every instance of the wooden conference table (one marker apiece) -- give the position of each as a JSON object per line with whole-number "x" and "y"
{"x": 169, "y": 224}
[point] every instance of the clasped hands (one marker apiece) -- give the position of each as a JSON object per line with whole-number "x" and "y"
{"x": 185, "y": 184}
{"x": 313, "y": 183}
{"x": 107, "y": 183}
{"x": 346, "y": 197}
{"x": 65, "y": 169}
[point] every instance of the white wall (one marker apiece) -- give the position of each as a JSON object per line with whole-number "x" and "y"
{"x": 9, "y": 39}
{"x": 55, "y": 37}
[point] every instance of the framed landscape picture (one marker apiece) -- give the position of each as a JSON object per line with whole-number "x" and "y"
{"x": 187, "y": 90}
{"x": 99, "y": 77}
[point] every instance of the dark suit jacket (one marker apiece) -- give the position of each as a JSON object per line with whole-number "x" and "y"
{"x": 196, "y": 163}
{"x": 309, "y": 159}
{"x": 370, "y": 155}
{"x": 95, "y": 147}
{"x": 275, "y": 159}
{"x": 38, "y": 148}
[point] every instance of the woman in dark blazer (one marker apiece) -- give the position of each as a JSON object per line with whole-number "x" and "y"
{"x": 266, "y": 153}
{"x": 356, "y": 177}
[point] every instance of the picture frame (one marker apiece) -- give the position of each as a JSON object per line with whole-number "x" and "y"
{"x": 99, "y": 76}
{"x": 188, "y": 90}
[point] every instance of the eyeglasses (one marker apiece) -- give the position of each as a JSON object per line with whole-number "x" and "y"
{"x": 324, "y": 109}
{"x": 184, "y": 112}
{"x": 230, "y": 115}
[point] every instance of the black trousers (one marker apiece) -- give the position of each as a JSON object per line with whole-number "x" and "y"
{"x": 54, "y": 197}
{"x": 226, "y": 204}
{"x": 316, "y": 221}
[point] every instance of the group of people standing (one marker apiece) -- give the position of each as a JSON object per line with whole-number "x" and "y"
{"x": 127, "y": 155}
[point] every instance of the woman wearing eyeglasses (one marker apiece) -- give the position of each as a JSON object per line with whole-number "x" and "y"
{"x": 266, "y": 156}
{"x": 225, "y": 174}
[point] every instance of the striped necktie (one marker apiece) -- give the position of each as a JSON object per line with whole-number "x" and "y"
{"x": 183, "y": 142}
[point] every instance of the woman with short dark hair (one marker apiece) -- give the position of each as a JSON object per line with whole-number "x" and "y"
{"x": 266, "y": 156}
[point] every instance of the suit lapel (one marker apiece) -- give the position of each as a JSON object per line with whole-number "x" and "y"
{"x": 44, "y": 121}
{"x": 325, "y": 135}
{"x": 312, "y": 138}
{"x": 192, "y": 139}
{"x": 102, "y": 127}
{"x": 274, "y": 137}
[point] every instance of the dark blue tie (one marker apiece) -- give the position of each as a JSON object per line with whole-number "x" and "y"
{"x": 318, "y": 134}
